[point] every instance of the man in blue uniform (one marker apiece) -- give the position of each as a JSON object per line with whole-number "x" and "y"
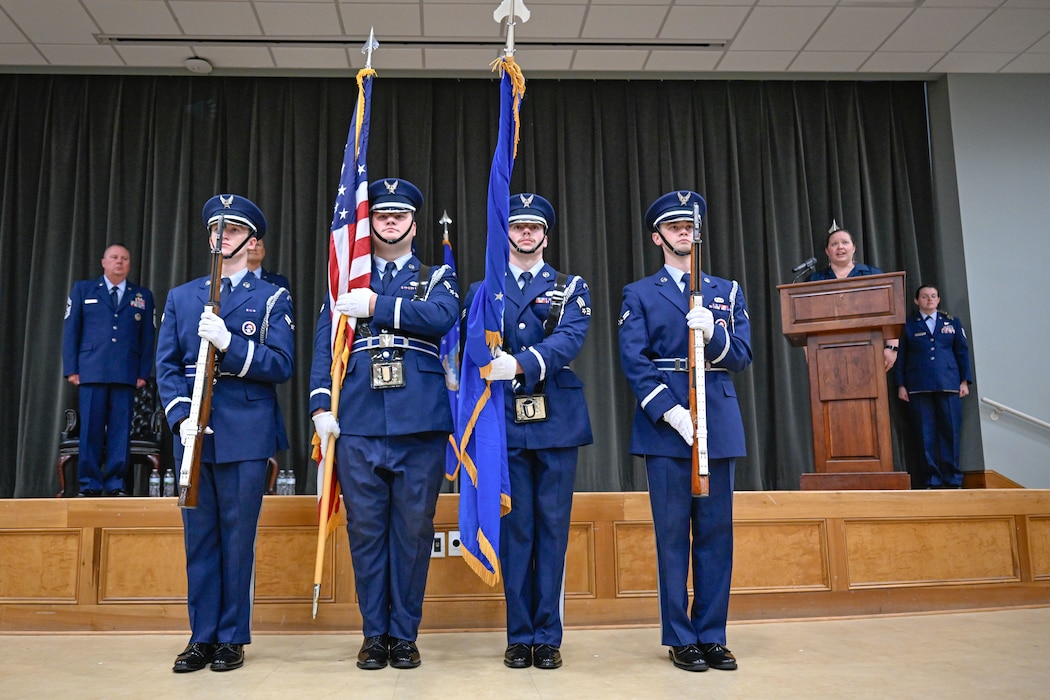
{"x": 394, "y": 423}
{"x": 933, "y": 376}
{"x": 107, "y": 351}
{"x": 255, "y": 261}
{"x": 546, "y": 316}
{"x": 654, "y": 345}
{"x": 254, "y": 334}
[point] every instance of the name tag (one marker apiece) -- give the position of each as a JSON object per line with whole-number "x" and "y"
{"x": 91, "y": 301}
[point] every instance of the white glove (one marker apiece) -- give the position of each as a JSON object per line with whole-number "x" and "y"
{"x": 355, "y": 302}
{"x": 504, "y": 366}
{"x": 680, "y": 419}
{"x": 186, "y": 430}
{"x": 326, "y": 426}
{"x": 214, "y": 330}
{"x": 701, "y": 319}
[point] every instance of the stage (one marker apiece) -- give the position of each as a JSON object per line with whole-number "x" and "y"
{"x": 117, "y": 564}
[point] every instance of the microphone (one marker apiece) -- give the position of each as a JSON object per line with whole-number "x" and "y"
{"x": 803, "y": 265}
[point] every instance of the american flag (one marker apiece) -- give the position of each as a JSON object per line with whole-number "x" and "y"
{"x": 349, "y": 263}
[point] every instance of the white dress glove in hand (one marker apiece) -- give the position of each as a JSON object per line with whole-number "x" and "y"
{"x": 214, "y": 330}
{"x": 355, "y": 303}
{"x": 679, "y": 418}
{"x": 186, "y": 430}
{"x": 326, "y": 426}
{"x": 701, "y": 319}
{"x": 504, "y": 366}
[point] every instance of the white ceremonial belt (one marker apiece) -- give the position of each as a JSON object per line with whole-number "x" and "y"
{"x": 386, "y": 340}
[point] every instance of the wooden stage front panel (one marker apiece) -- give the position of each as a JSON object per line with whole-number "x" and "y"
{"x": 119, "y": 564}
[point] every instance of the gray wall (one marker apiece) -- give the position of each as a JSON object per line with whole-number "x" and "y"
{"x": 1000, "y": 136}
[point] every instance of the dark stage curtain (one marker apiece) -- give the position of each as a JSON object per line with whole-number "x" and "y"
{"x": 91, "y": 160}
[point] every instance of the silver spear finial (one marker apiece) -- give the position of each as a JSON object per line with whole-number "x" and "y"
{"x": 370, "y": 46}
{"x": 511, "y": 9}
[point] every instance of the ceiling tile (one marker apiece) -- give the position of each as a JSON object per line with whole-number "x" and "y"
{"x": 901, "y": 62}
{"x": 458, "y": 20}
{"x": 1008, "y": 30}
{"x": 608, "y": 22}
{"x": 1029, "y": 63}
{"x": 299, "y": 18}
{"x": 216, "y": 18}
{"x": 960, "y": 62}
{"x": 461, "y": 59}
{"x": 779, "y": 28}
{"x": 238, "y": 56}
{"x": 683, "y": 60}
{"x": 557, "y": 59}
{"x": 60, "y": 22}
{"x": 757, "y": 61}
{"x": 856, "y": 28}
{"x": 20, "y": 55}
{"x": 828, "y": 61}
{"x": 991, "y": 4}
{"x": 703, "y": 23}
{"x": 934, "y": 30}
{"x": 80, "y": 55}
{"x": 391, "y": 59}
{"x": 302, "y": 57}
{"x": 610, "y": 60}
{"x": 551, "y": 23}
{"x": 9, "y": 33}
{"x": 389, "y": 20}
{"x": 156, "y": 56}
{"x": 139, "y": 17}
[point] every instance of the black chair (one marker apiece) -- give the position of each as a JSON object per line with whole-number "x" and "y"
{"x": 147, "y": 434}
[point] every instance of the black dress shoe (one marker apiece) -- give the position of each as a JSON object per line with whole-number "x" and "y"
{"x": 89, "y": 492}
{"x": 518, "y": 656}
{"x": 546, "y": 656}
{"x": 118, "y": 492}
{"x": 194, "y": 657}
{"x": 403, "y": 653}
{"x": 717, "y": 656}
{"x": 228, "y": 657}
{"x": 373, "y": 654}
{"x": 688, "y": 657}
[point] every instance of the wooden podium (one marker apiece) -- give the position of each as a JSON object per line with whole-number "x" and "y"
{"x": 844, "y": 324}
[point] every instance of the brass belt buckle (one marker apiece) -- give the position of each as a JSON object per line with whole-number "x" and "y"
{"x": 530, "y": 408}
{"x": 388, "y": 375}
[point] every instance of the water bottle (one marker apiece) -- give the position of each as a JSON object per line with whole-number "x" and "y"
{"x": 169, "y": 483}
{"x": 154, "y": 483}
{"x": 291, "y": 482}
{"x": 282, "y": 483}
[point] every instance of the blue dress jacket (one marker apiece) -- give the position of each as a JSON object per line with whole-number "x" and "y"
{"x": 245, "y": 417}
{"x": 933, "y": 362}
{"x": 546, "y": 358}
{"x": 653, "y": 326}
{"x": 106, "y": 345}
{"x": 421, "y": 405}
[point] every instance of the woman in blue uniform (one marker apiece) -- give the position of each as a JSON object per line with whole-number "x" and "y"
{"x": 933, "y": 377}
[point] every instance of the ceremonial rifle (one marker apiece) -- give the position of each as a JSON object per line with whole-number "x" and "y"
{"x": 698, "y": 386}
{"x": 203, "y": 383}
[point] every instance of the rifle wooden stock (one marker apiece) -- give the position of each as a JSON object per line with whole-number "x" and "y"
{"x": 203, "y": 382}
{"x": 697, "y": 368}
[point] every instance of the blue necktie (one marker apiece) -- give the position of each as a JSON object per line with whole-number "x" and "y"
{"x": 524, "y": 279}
{"x": 114, "y": 295}
{"x": 388, "y": 276}
{"x": 224, "y": 290}
{"x": 685, "y": 285}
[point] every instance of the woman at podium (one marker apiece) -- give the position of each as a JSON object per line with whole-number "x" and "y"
{"x": 841, "y": 251}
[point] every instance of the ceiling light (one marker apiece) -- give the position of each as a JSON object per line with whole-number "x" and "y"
{"x": 196, "y": 64}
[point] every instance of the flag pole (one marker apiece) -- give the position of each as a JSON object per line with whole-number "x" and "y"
{"x": 338, "y": 373}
